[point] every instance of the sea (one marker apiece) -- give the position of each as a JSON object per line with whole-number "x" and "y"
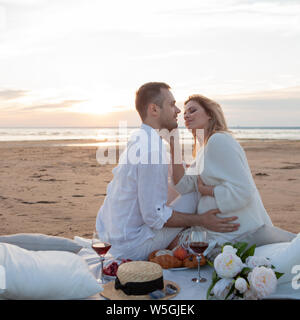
{"x": 111, "y": 135}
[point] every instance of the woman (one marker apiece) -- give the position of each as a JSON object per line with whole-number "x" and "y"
{"x": 226, "y": 182}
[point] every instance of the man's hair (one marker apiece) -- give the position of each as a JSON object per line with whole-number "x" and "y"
{"x": 149, "y": 93}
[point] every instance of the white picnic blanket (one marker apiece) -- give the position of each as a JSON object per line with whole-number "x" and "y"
{"x": 188, "y": 289}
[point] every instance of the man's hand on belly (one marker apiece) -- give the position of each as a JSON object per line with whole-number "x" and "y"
{"x": 211, "y": 221}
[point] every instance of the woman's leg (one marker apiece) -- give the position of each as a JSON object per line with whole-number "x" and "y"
{"x": 161, "y": 240}
{"x": 167, "y": 237}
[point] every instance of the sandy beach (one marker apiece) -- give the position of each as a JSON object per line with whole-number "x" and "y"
{"x": 57, "y": 190}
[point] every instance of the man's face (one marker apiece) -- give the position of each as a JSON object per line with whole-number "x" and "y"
{"x": 169, "y": 111}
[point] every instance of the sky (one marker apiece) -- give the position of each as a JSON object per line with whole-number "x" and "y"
{"x": 80, "y": 62}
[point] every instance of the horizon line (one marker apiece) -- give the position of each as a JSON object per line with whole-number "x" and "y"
{"x": 114, "y": 127}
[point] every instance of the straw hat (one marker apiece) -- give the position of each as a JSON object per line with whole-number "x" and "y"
{"x": 135, "y": 280}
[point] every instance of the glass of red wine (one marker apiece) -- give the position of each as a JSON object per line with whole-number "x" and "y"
{"x": 197, "y": 244}
{"x": 101, "y": 247}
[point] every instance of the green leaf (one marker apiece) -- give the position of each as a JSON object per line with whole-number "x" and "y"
{"x": 230, "y": 291}
{"x": 249, "y": 252}
{"x": 208, "y": 293}
{"x": 240, "y": 246}
{"x": 214, "y": 276}
{"x": 245, "y": 271}
{"x": 278, "y": 274}
{"x": 238, "y": 294}
{"x": 215, "y": 279}
{"x": 209, "y": 263}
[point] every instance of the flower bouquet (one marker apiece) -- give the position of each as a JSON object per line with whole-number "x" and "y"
{"x": 238, "y": 274}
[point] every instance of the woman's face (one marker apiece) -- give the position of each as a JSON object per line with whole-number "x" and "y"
{"x": 195, "y": 116}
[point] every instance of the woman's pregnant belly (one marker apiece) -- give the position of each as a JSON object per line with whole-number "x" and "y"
{"x": 206, "y": 203}
{"x": 245, "y": 220}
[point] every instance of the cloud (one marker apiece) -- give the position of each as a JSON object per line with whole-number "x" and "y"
{"x": 53, "y": 106}
{"x": 10, "y": 94}
{"x": 262, "y": 16}
{"x": 291, "y": 95}
{"x": 268, "y": 108}
{"x": 62, "y": 118}
{"x": 281, "y": 2}
{"x": 269, "y": 7}
{"x": 12, "y": 101}
{"x": 170, "y": 54}
{"x": 22, "y": 3}
{"x": 229, "y": 47}
{"x": 3, "y": 18}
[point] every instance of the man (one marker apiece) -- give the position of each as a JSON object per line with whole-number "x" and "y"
{"x": 134, "y": 217}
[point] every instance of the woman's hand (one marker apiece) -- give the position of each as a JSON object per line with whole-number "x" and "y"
{"x": 204, "y": 189}
{"x": 210, "y": 221}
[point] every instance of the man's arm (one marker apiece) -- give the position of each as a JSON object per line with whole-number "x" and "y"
{"x": 208, "y": 220}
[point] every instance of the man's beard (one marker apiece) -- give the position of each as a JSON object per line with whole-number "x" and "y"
{"x": 169, "y": 125}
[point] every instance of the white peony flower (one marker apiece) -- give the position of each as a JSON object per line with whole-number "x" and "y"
{"x": 262, "y": 281}
{"x": 222, "y": 288}
{"x": 229, "y": 249}
{"x": 241, "y": 285}
{"x": 228, "y": 265}
{"x": 254, "y": 261}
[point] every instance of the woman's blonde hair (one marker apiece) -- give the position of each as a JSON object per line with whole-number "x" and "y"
{"x": 217, "y": 121}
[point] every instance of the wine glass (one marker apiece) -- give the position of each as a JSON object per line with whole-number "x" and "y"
{"x": 197, "y": 244}
{"x": 101, "y": 247}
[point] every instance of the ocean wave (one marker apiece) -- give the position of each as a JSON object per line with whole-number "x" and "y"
{"x": 113, "y": 134}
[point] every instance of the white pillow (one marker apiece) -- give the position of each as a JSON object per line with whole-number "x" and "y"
{"x": 39, "y": 241}
{"x": 284, "y": 256}
{"x": 265, "y": 235}
{"x": 271, "y": 250}
{"x": 287, "y": 259}
{"x": 50, "y": 275}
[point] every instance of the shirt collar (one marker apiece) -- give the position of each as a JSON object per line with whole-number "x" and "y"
{"x": 149, "y": 129}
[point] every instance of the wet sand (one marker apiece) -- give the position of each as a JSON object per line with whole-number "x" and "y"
{"x": 46, "y": 187}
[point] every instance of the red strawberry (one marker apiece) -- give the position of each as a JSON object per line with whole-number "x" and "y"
{"x": 111, "y": 269}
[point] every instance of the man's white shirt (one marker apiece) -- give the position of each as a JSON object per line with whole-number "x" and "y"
{"x": 136, "y": 198}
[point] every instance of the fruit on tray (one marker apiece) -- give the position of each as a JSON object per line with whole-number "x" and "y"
{"x": 112, "y": 268}
{"x": 191, "y": 261}
{"x": 180, "y": 253}
{"x": 166, "y": 261}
